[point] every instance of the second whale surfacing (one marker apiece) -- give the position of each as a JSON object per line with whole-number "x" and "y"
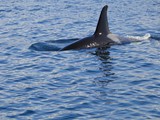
{"x": 102, "y": 37}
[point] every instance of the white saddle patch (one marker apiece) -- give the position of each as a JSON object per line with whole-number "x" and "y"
{"x": 114, "y": 38}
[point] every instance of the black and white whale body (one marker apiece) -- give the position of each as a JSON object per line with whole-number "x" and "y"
{"x": 102, "y": 36}
{"x": 99, "y": 38}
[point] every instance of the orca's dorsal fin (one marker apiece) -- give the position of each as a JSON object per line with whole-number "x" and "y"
{"x": 102, "y": 26}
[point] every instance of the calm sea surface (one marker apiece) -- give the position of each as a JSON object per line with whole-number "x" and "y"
{"x": 120, "y": 83}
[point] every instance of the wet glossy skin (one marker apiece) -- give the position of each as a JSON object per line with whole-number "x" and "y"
{"x": 90, "y": 42}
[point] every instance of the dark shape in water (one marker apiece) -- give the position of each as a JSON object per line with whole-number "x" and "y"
{"x": 44, "y": 46}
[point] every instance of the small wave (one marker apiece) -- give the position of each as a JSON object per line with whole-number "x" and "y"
{"x": 43, "y": 46}
{"x": 52, "y": 45}
{"x": 145, "y": 37}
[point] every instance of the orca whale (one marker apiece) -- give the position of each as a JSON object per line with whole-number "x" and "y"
{"x": 102, "y": 37}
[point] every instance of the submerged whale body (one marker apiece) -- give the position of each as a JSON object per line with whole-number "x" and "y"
{"x": 102, "y": 37}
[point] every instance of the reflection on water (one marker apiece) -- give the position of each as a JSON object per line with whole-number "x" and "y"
{"x": 102, "y": 90}
{"x": 121, "y": 82}
{"x": 106, "y": 64}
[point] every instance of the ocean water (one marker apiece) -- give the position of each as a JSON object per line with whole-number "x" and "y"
{"x": 42, "y": 83}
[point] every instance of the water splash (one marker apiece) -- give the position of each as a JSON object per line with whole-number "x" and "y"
{"x": 145, "y": 37}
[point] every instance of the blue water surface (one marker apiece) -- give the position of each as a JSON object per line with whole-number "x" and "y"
{"x": 120, "y": 83}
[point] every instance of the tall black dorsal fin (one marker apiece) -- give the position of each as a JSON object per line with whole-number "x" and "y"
{"x": 102, "y": 26}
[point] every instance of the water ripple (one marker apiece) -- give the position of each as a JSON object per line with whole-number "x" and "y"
{"x": 121, "y": 82}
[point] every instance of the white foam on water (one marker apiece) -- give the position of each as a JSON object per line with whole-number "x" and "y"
{"x": 145, "y": 37}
